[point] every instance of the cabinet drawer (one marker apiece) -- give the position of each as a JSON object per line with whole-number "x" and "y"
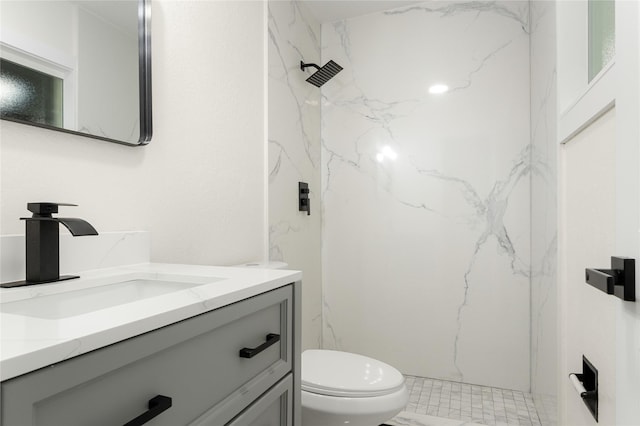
{"x": 272, "y": 409}
{"x": 196, "y": 362}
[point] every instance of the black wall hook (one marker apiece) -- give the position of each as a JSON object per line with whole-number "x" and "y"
{"x": 619, "y": 281}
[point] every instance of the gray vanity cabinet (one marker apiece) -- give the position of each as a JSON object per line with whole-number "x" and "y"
{"x": 196, "y": 362}
{"x": 271, "y": 409}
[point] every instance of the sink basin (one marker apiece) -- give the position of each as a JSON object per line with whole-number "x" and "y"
{"x": 117, "y": 292}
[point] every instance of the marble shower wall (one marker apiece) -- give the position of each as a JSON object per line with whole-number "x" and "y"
{"x": 426, "y": 198}
{"x": 544, "y": 211}
{"x": 294, "y": 154}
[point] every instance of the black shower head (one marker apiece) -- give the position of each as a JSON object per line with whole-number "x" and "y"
{"x": 323, "y": 74}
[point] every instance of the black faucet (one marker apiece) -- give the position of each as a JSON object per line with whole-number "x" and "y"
{"x": 43, "y": 243}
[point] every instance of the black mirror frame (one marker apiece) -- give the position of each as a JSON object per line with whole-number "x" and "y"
{"x": 144, "y": 49}
{"x": 144, "y": 65}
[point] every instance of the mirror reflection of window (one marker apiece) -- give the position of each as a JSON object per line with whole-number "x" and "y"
{"x": 602, "y": 35}
{"x": 30, "y": 95}
{"x": 81, "y": 66}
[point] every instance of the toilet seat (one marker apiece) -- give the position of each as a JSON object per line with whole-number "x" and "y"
{"x": 343, "y": 374}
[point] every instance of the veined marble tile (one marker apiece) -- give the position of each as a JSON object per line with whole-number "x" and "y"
{"x": 426, "y": 237}
{"x": 294, "y": 154}
{"x": 544, "y": 210}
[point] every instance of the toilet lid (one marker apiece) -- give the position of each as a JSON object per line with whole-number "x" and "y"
{"x": 335, "y": 373}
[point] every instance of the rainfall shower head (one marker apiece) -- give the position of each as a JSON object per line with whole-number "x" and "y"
{"x": 323, "y": 74}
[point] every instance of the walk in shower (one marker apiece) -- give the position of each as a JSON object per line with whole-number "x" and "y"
{"x": 432, "y": 157}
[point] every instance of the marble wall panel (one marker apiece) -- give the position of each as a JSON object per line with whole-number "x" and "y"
{"x": 294, "y": 153}
{"x": 544, "y": 233}
{"x": 426, "y": 198}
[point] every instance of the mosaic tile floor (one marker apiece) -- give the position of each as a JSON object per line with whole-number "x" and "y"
{"x": 412, "y": 419}
{"x": 430, "y": 399}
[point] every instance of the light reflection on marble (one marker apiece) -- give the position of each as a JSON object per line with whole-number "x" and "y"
{"x": 294, "y": 153}
{"x": 431, "y": 251}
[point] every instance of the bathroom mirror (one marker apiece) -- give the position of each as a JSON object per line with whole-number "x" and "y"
{"x": 78, "y": 66}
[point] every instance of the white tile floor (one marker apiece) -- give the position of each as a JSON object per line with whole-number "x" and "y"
{"x": 467, "y": 403}
{"x": 412, "y": 419}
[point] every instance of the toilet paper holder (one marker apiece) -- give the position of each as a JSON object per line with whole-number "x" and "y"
{"x": 619, "y": 281}
{"x": 586, "y": 384}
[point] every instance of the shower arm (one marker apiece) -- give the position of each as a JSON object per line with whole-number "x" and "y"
{"x": 303, "y": 66}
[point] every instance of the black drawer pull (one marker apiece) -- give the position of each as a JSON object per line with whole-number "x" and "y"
{"x": 251, "y": 352}
{"x": 157, "y": 405}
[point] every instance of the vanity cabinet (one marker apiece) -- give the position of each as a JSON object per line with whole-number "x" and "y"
{"x": 271, "y": 409}
{"x": 231, "y": 366}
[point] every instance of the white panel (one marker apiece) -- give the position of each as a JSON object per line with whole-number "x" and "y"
{"x": 588, "y": 241}
{"x": 426, "y": 257}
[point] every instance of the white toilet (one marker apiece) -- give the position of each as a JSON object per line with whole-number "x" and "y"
{"x": 341, "y": 388}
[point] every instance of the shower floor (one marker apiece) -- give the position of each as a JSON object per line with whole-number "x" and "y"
{"x": 430, "y": 399}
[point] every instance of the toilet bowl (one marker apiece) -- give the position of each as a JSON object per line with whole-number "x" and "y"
{"x": 342, "y": 388}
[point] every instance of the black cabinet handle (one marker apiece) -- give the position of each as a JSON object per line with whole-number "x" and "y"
{"x": 251, "y": 352}
{"x": 157, "y": 405}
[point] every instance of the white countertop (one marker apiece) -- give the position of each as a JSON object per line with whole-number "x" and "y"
{"x": 28, "y": 343}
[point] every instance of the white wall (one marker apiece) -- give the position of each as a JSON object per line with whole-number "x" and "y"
{"x": 198, "y": 187}
{"x": 426, "y": 258}
{"x": 544, "y": 239}
{"x": 294, "y": 154}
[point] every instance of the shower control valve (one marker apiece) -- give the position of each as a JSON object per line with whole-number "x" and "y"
{"x": 304, "y": 204}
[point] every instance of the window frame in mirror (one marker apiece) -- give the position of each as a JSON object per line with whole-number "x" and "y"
{"x": 144, "y": 77}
